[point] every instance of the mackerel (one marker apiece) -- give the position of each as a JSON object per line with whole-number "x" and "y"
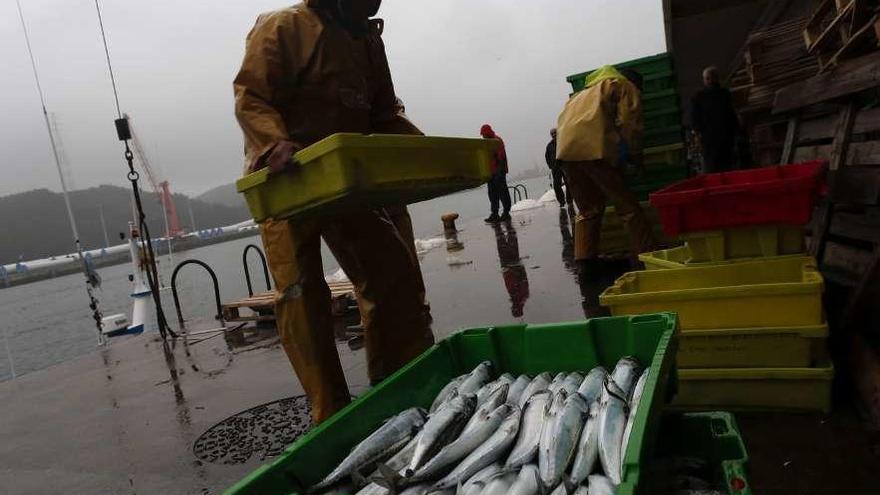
{"x": 492, "y": 402}
{"x": 633, "y": 408}
{"x": 587, "y": 449}
{"x": 500, "y": 484}
{"x": 625, "y": 373}
{"x": 441, "y": 429}
{"x": 490, "y": 451}
{"x": 591, "y": 388}
{"x": 528, "y": 481}
{"x": 517, "y": 388}
{"x": 464, "y": 444}
{"x": 476, "y": 379}
{"x": 601, "y": 485}
{"x": 385, "y": 441}
{"x": 479, "y": 477}
{"x": 490, "y": 388}
{"x": 612, "y": 422}
{"x": 539, "y": 383}
{"x": 447, "y": 392}
{"x": 556, "y": 384}
{"x": 557, "y": 452}
{"x": 534, "y": 415}
{"x": 572, "y": 381}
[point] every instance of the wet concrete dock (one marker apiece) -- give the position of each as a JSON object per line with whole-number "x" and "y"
{"x": 125, "y": 419}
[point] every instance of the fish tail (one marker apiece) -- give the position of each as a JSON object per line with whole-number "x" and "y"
{"x": 388, "y": 478}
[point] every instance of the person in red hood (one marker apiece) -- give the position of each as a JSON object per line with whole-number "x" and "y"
{"x": 498, "y": 192}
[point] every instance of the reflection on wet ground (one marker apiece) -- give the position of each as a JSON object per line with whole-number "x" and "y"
{"x": 143, "y": 416}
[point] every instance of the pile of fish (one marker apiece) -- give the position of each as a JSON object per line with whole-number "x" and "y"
{"x": 520, "y": 435}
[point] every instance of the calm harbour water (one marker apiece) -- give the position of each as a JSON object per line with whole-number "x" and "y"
{"x": 48, "y": 322}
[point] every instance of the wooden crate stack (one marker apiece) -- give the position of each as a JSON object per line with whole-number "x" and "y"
{"x": 841, "y": 29}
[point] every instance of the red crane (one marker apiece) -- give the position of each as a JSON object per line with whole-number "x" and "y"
{"x": 161, "y": 188}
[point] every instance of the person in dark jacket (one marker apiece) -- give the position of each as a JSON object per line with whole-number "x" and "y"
{"x": 715, "y": 123}
{"x": 498, "y": 192}
{"x": 555, "y": 169}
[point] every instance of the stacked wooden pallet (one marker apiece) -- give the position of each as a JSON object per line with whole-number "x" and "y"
{"x": 774, "y": 57}
{"x": 841, "y": 29}
{"x": 832, "y": 116}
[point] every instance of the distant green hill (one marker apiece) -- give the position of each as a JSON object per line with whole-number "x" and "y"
{"x": 34, "y": 223}
{"x": 225, "y": 195}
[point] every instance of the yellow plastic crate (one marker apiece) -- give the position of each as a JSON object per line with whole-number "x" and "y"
{"x": 745, "y": 242}
{"x": 786, "y": 347}
{"x": 755, "y": 389}
{"x": 680, "y": 257}
{"x": 354, "y": 170}
{"x": 615, "y": 239}
{"x": 778, "y": 292}
{"x": 664, "y": 156}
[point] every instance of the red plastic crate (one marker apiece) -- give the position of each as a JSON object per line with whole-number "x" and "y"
{"x": 783, "y": 194}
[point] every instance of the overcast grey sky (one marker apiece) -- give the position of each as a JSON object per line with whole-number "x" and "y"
{"x": 456, "y": 65}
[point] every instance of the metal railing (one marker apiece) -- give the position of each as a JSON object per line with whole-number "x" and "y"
{"x": 219, "y": 315}
{"x": 520, "y": 192}
{"x": 247, "y": 271}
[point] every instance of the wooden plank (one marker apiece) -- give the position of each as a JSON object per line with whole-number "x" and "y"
{"x": 852, "y": 43}
{"x": 864, "y": 153}
{"x": 860, "y": 227}
{"x": 838, "y": 155}
{"x": 857, "y": 186}
{"x": 831, "y": 32}
{"x": 847, "y": 78}
{"x": 845, "y": 264}
{"x": 790, "y": 138}
{"x": 823, "y": 128}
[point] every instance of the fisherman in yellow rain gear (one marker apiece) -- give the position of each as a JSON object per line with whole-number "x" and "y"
{"x": 598, "y": 130}
{"x": 310, "y": 71}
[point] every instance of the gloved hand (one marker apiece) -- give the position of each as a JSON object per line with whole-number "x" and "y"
{"x": 281, "y": 156}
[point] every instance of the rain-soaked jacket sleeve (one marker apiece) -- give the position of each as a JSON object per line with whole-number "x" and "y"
{"x": 387, "y": 115}
{"x": 629, "y": 116}
{"x": 265, "y": 69}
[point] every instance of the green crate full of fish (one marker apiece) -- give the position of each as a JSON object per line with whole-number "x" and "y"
{"x": 552, "y": 408}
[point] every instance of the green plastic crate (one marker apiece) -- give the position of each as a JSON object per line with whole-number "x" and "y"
{"x": 659, "y": 136}
{"x": 660, "y": 101}
{"x": 713, "y": 437}
{"x": 666, "y": 156}
{"x": 646, "y": 66}
{"x": 663, "y": 118}
{"x": 345, "y": 171}
{"x": 516, "y": 349}
{"x": 756, "y": 389}
{"x": 658, "y": 81}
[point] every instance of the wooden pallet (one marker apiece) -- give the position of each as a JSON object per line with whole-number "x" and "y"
{"x": 840, "y": 29}
{"x": 262, "y": 305}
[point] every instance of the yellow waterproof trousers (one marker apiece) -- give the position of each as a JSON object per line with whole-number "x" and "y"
{"x": 387, "y": 282}
{"x": 593, "y": 184}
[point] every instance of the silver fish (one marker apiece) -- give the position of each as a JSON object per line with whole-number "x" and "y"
{"x": 476, "y": 379}
{"x": 517, "y": 388}
{"x": 447, "y": 392}
{"x": 416, "y": 490}
{"x": 480, "y": 477}
{"x": 490, "y": 451}
{"x": 559, "y": 447}
{"x": 560, "y": 490}
{"x": 625, "y": 373}
{"x": 442, "y": 428}
{"x": 591, "y": 388}
{"x": 497, "y": 398}
{"x": 500, "y": 484}
{"x": 601, "y": 485}
{"x": 534, "y": 414}
{"x": 490, "y": 388}
{"x": 341, "y": 490}
{"x": 633, "y": 407}
{"x": 464, "y": 444}
{"x": 556, "y": 384}
{"x": 582, "y": 490}
{"x": 387, "y": 440}
{"x": 556, "y": 406}
{"x": 539, "y": 383}
{"x": 572, "y": 382}
{"x": 612, "y": 421}
{"x": 528, "y": 481}
{"x": 474, "y": 489}
{"x": 587, "y": 449}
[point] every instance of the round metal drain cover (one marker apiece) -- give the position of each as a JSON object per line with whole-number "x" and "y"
{"x": 262, "y": 432}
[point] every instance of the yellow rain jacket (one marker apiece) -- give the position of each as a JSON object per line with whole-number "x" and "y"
{"x": 596, "y": 119}
{"x": 303, "y": 78}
